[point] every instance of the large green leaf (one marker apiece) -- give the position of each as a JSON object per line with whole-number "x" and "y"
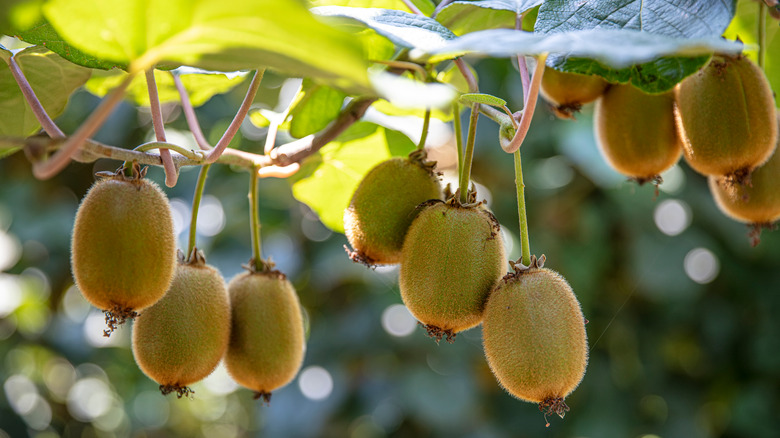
{"x": 425, "y": 6}
{"x": 692, "y": 19}
{"x": 317, "y": 106}
{"x": 618, "y": 54}
{"x": 213, "y": 35}
{"x": 52, "y": 78}
{"x": 745, "y": 27}
{"x": 462, "y": 17}
{"x": 43, "y": 34}
{"x": 201, "y": 85}
{"x": 19, "y": 14}
{"x": 328, "y": 178}
{"x": 404, "y": 29}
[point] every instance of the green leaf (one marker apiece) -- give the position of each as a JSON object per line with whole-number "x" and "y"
{"x": 405, "y": 30}
{"x": 19, "y": 14}
{"x": 52, "y": 78}
{"x": 318, "y": 106}
{"x": 209, "y": 34}
{"x": 462, "y": 17}
{"x": 43, "y": 34}
{"x": 702, "y": 20}
{"x": 620, "y": 55}
{"x": 328, "y": 178}
{"x": 744, "y": 27}
{"x": 201, "y": 85}
{"x": 487, "y": 99}
{"x": 425, "y": 6}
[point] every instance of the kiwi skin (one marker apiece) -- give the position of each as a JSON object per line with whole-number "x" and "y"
{"x": 123, "y": 248}
{"x": 267, "y": 341}
{"x": 567, "y": 92}
{"x": 452, "y": 257}
{"x": 726, "y": 118}
{"x": 534, "y": 337}
{"x": 383, "y": 207}
{"x": 181, "y": 338}
{"x": 636, "y": 132}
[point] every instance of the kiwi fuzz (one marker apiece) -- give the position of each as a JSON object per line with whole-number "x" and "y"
{"x": 534, "y": 337}
{"x": 636, "y": 132}
{"x": 267, "y": 340}
{"x": 567, "y": 92}
{"x": 123, "y": 247}
{"x": 727, "y": 118}
{"x": 384, "y": 205}
{"x": 181, "y": 338}
{"x": 453, "y": 255}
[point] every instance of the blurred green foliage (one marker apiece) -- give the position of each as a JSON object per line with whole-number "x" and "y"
{"x": 669, "y": 357}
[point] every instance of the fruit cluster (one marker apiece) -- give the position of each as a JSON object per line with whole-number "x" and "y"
{"x": 453, "y": 276}
{"x": 722, "y": 120}
{"x": 125, "y": 262}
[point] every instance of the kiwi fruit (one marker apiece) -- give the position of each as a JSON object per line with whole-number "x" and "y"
{"x": 534, "y": 336}
{"x": 384, "y": 205}
{"x": 636, "y": 132}
{"x": 567, "y": 92}
{"x": 453, "y": 255}
{"x": 726, "y": 118}
{"x": 267, "y": 340}
{"x": 123, "y": 247}
{"x": 182, "y": 337}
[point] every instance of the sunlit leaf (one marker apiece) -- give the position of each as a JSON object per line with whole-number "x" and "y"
{"x": 19, "y": 14}
{"x": 43, "y": 34}
{"x": 52, "y": 78}
{"x": 425, "y": 6}
{"x": 328, "y": 178}
{"x": 462, "y": 17}
{"x": 487, "y": 99}
{"x": 318, "y": 106}
{"x": 200, "y": 85}
{"x": 407, "y": 93}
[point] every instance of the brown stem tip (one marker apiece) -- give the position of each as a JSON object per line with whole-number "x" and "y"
{"x": 359, "y": 257}
{"x": 181, "y": 391}
{"x": 754, "y": 232}
{"x": 117, "y": 316}
{"x": 437, "y": 333}
{"x": 553, "y": 405}
{"x": 264, "y": 396}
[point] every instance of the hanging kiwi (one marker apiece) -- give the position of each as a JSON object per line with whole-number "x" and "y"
{"x": 534, "y": 336}
{"x": 181, "y": 338}
{"x": 567, "y": 92}
{"x": 726, "y": 118}
{"x": 123, "y": 248}
{"x": 453, "y": 255}
{"x": 636, "y": 132}
{"x": 267, "y": 339}
{"x": 756, "y": 203}
{"x": 384, "y": 205}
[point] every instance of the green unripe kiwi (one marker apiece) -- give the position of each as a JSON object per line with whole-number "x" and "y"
{"x": 534, "y": 337}
{"x": 567, "y": 92}
{"x": 383, "y": 207}
{"x": 636, "y": 132}
{"x": 123, "y": 249}
{"x": 181, "y": 338}
{"x": 452, "y": 257}
{"x": 267, "y": 342}
{"x": 726, "y": 117}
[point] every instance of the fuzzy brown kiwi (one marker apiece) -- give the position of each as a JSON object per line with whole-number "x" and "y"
{"x": 181, "y": 338}
{"x": 123, "y": 248}
{"x": 726, "y": 118}
{"x": 636, "y": 132}
{"x": 267, "y": 341}
{"x": 384, "y": 205}
{"x": 453, "y": 255}
{"x": 567, "y": 92}
{"x": 534, "y": 337}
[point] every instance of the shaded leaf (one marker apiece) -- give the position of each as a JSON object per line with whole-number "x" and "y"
{"x": 328, "y": 178}
{"x": 462, "y": 17}
{"x": 487, "y": 99}
{"x": 52, "y": 78}
{"x": 318, "y": 106}
{"x": 201, "y": 85}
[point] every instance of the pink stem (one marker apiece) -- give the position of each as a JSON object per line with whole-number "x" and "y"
{"x": 40, "y": 113}
{"x": 238, "y": 119}
{"x": 412, "y": 7}
{"x": 466, "y": 72}
{"x": 531, "y": 95}
{"x": 189, "y": 114}
{"x": 57, "y": 162}
{"x": 171, "y": 175}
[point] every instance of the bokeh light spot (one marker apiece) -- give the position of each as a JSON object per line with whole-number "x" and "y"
{"x": 701, "y": 265}
{"x": 672, "y": 216}
{"x": 398, "y": 321}
{"x": 315, "y": 383}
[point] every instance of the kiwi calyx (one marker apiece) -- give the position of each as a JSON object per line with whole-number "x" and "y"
{"x": 420, "y": 158}
{"x": 181, "y": 391}
{"x": 553, "y": 405}
{"x": 266, "y": 268}
{"x": 265, "y": 396}
{"x": 754, "y": 231}
{"x": 117, "y": 316}
{"x": 360, "y": 257}
{"x": 566, "y": 111}
{"x": 521, "y": 269}
{"x": 438, "y": 333}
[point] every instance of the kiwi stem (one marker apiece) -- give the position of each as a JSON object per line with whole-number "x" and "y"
{"x": 761, "y": 33}
{"x": 458, "y": 133}
{"x": 465, "y": 171}
{"x": 39, "y": 112}
{"x": 412, "y": 7}
{"x": 530, "y": 96}
{"x": 189, "y": 114}
{"x": 196, "y": 205}
{"x": 426, "y": 125}
{"x": 525, "y": 244}
{"x": 255, "y": 222}
{"x": 171, "y": 175}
